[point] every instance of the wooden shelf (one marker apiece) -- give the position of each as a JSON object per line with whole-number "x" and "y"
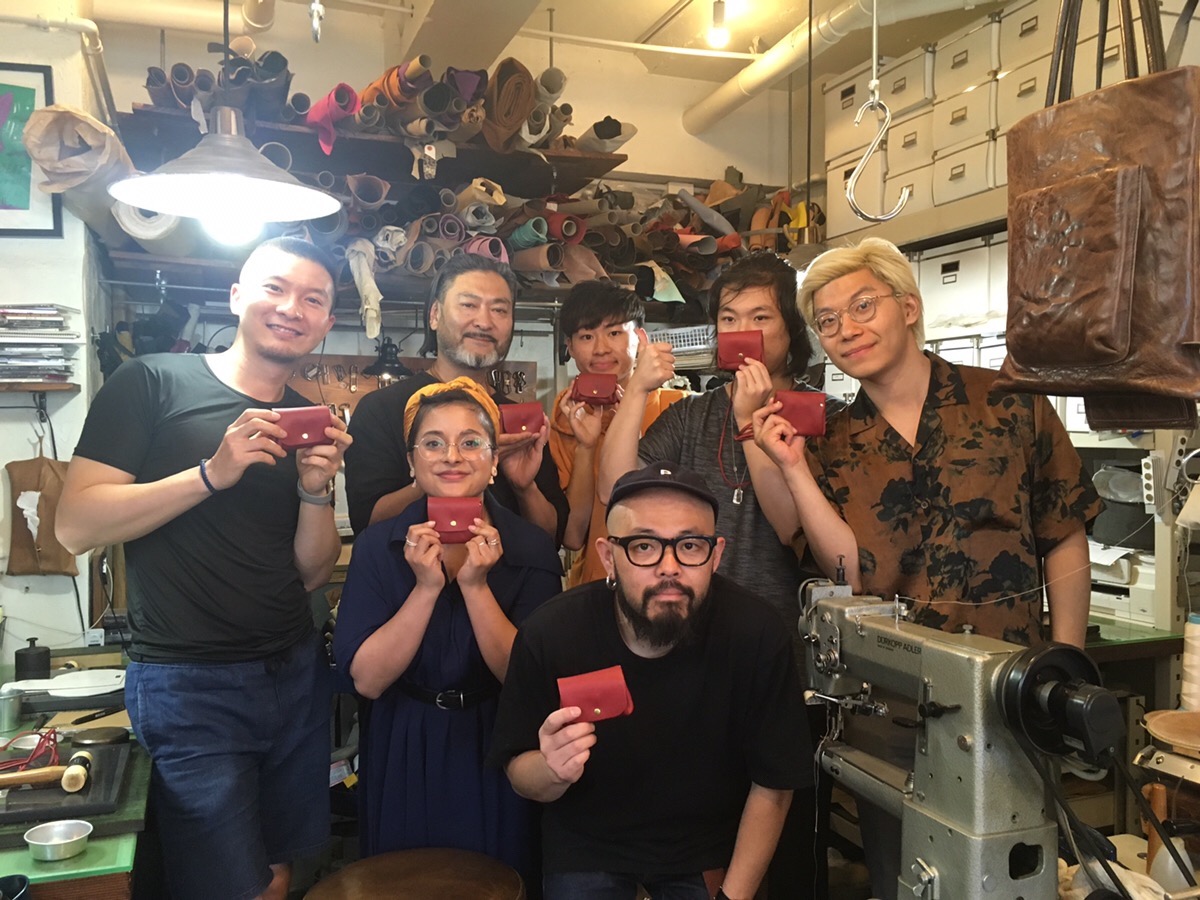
{"x": 154, "y": 136}
{"x": 37, "y": 387}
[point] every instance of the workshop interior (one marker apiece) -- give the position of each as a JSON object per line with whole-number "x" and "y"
{"x": 148, "y": 147}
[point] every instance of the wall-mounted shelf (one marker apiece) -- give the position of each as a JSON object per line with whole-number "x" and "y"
{"x": 37, "y": 387}
{"x": 153, "y": 136}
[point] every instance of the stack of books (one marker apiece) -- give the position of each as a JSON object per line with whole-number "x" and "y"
{"x": 34, "y": 343}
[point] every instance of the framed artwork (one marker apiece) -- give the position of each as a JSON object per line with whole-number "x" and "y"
{"x": 24, "y": 210}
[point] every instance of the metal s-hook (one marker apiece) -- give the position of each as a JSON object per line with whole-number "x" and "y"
{"x": 873, "y": 102}
{"x": 317, "y": 11}
{"x": 876, "y": 104}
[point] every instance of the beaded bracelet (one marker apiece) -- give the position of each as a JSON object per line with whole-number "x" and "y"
{"x": 204, "y": 476}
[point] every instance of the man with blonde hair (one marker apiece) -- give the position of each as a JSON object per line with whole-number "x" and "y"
{"x": 964, "y": 500}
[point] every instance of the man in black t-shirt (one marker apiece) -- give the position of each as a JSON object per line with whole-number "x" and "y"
{"x": 699, "y": 776}
{"x": 225, "y": 533}
{"x": 471, "y": 315}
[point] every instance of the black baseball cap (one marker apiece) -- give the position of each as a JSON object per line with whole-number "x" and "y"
{"x": 661, "y": 475}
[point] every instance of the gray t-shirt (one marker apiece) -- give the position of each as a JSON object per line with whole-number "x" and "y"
{"x": 688, "y": 434}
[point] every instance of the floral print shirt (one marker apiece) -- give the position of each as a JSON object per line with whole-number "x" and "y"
{"x": 957, "y": 525}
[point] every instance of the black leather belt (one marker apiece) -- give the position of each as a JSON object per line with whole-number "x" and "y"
{"x": 449, "y": 699}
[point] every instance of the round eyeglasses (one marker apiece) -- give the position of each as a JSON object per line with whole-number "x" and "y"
{"x": 647, "y": 550}
{"x": 435, "y": 448}
{"x": 861, "y": 309}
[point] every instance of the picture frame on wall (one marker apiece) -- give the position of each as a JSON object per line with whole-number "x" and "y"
{"x": 25, "y": 211}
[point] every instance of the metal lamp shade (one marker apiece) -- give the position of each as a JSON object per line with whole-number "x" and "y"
{"x": 225, "y": 175}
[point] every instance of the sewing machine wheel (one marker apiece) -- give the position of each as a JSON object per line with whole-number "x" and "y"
{"x": 1019, "y": 680}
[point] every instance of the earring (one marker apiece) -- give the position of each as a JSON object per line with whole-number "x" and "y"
{"x": 610, "y": 582}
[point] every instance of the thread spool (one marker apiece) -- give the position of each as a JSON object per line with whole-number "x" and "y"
{"x": 1189, "y": 693}
{"x": 79, "y": 768}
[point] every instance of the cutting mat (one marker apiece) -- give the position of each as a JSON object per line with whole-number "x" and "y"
{"x": 100, "y": 796}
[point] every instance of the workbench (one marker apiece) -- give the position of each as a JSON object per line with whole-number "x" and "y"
{"x": 104, "y": 871}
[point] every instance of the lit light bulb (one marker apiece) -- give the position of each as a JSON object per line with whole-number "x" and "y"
{"x": 718, "y": 38}
{"x": 232, "y": 230}
{"x": 718, "y": 35}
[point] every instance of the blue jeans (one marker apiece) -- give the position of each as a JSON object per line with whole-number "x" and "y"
{"x": 621, "y": 886}
{"x": 241, "y": 765}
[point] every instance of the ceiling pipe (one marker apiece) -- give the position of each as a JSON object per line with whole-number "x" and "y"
{"x": 203, "y": 16}
{"x": 791, "y": 52}
{"x": 93, "y": 56}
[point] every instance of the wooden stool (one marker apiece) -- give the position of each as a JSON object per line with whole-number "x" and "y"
{"x": 427, "y": 874}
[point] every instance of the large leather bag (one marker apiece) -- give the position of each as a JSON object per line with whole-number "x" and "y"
{"x": 1103, "y": 239}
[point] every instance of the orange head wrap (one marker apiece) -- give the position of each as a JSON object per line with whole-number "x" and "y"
{"x": 468, "y": 386}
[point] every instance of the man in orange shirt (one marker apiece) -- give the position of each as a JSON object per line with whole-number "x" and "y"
{"x": 602, "y": 324}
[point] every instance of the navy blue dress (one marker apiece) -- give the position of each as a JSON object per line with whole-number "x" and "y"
{"x": 423, "y": 778}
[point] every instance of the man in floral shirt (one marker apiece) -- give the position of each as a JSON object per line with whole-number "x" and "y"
{"x": 961, "y": 499}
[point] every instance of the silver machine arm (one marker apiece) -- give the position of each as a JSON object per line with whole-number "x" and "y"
{"x": 976, "y": 819}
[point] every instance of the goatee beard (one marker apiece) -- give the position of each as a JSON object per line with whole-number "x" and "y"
{"x": 670, "y": 628}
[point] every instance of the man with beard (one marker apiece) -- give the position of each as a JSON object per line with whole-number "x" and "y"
{"x": 225, "y": 534}
{"x": 689, "y": 791}
{"x": 471, "y": 315}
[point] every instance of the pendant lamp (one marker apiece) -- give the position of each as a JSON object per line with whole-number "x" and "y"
{"x": 223, "y": 176}
{"x": 387, "y": 366}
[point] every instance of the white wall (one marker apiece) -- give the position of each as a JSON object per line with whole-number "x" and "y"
{"x": 615, "y": 83}
{"x": 44, "y": 270}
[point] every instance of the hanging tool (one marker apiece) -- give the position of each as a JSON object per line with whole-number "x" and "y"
{"x": 873, "y": 102}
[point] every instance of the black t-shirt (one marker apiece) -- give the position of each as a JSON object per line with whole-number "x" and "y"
{"x": 377, "y": 461}
{"x": 664, "y": 788}
{"x": 219, "y": 581}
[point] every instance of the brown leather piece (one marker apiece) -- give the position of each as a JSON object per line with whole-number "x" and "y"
{"x": 1062, "y": 253}
{"x": 428, "y": 874}
{"x": 1111, "y": 411}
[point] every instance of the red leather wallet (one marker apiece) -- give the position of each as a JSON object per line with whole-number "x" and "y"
{"x": 805, "y": 410}
{"x": 452, "y": 515}
{"x": 598, "y": 390}
{"x": 735, "y": 347}
{"x": 521, "y": 418}
{"x": 600, "y": 695}
{"x": 305, "y": 426}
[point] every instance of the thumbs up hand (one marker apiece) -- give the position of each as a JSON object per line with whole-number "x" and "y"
{"x": 655, "y": 364}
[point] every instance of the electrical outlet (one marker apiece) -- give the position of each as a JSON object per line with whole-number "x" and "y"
{"x": 93, "y": 637}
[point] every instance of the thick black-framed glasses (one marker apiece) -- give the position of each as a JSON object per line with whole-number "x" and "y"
{"x": 648, "y": 550}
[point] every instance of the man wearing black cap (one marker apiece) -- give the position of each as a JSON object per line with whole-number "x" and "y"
{"x": 688, "y": 791}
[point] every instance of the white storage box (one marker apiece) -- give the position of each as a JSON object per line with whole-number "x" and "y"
{"x": 1084, "y": 74}
{"x": 966, "y": 57}
{"x": 955, "y": 289}
{"x": 960, "y": 351}
{"x": 992, "y": 351}
{"x": 920, "y": 184}
{"x": 1021, "y": 91}
{"x": 1027, "y": 32}
{"x": 998, "y": 278}
{"x": 907, "y": 83}
{"x": 963, "y": 171}
{"x": 1074, "y": 416}
{"x": 964, "y": 117}
{"x": 904, "y": 85}
{"x": 839, "y": 384}
{"x": 910, "y": 143}
{"x": 844, "y": 96}
{"x": 869, "y": 192}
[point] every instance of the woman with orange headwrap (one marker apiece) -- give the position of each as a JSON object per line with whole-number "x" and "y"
{"x": 424, "y": 630}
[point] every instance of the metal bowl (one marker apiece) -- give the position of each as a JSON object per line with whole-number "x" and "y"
{"x": 58, "y": 840}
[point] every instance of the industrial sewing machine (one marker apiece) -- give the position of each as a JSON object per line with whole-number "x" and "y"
{"x": 978, "y": 808}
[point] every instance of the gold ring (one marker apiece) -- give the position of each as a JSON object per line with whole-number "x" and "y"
{"x": 409, "y": 543}
{"x": 492, "y": 543}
